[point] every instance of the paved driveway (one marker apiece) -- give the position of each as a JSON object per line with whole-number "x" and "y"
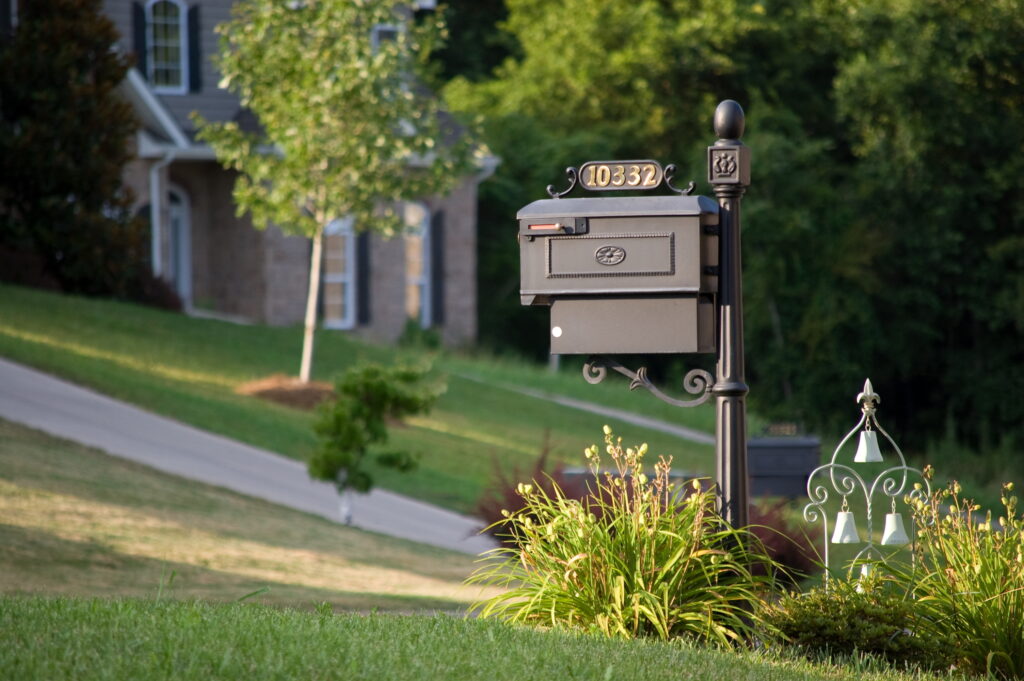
{"x": 66, "y": 410}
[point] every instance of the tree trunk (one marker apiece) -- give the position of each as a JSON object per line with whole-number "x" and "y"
{"x": 311, "y": 300}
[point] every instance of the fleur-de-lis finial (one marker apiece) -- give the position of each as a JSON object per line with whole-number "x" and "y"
{"x": 868, "y": 396}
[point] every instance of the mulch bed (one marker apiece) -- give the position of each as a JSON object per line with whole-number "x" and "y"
{"x": 288, "y": 390}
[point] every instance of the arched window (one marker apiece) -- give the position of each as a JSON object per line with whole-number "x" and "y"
{"x": 339, "y": 275}
{"x": 167, "y": 46}
{"x": 418, "y": 264}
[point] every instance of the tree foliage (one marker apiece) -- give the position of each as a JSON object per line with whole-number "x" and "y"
{"x": 345, "y": 128}
{"x": 883, "y": 232}
{"x": 367, "y": 397}
{"x": 64, "y": 141}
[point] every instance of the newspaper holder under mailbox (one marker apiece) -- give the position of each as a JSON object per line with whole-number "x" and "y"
{"x": 623, "y": 275}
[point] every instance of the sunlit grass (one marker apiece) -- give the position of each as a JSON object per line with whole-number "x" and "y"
{"x": 75, "y": 521}
{"x": 124, "y": 359}
{"x": 47, "y": 639}
{"x": 188, "y": 369}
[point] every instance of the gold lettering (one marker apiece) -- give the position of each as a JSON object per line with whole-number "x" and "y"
{"x": 603, "y": 176}
{"x": 619, "y": 176}
{"x": 634, "y": 176}
{"x": 650, "y": 172}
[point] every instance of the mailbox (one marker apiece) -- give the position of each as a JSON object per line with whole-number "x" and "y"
{"x": 780, "y": 466}
{"x": 629, "y": 275}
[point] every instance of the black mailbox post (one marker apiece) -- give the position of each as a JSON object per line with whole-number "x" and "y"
{"x": 652, "y": 274}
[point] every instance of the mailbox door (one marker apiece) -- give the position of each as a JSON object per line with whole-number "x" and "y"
{"x": 585, "y": 326}
{"x": 617, "y": 256}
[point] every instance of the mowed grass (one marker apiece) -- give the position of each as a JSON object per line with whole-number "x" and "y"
{"x": 188, "y": 369}
{"x": 78, "y": 522}
{"x": 132, "y": 640}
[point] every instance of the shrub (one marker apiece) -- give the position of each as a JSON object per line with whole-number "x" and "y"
{"x": 791, "y": 547}
{"x": 969, "y": 579}
{"x": 367, "y": 396}
{"x": 843, "y": 621}
{"x": 65, "y": 137}
{"x": 502, "y": 495}
{"x": 636, "y": 557}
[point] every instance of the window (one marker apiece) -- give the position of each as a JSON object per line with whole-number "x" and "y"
{"x": 417, "y": 264}
{"x": 339, "y": 275}
{"x": 383, "y": 33}
{"x": 167, "y": 48}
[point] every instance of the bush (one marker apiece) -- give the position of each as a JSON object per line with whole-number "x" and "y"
{"x": 367, "y": 396}
{"x": 969, "y": 579}
{"x": 503, "y": 495}
{"x": 792, "y": 548}
{"x": 843, "y": 621}
{"x": 65, "y": 137}
{"x": 636, "y": 557}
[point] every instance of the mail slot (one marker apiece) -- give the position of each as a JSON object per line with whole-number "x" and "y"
{"x": 622, "y": 275}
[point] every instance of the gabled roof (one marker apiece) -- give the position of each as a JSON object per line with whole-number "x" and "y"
{"x": 160, "y": 134}
{"x": 155, "y": 118}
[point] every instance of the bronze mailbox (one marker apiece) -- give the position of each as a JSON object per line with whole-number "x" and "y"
{"x": 633, "y": 274}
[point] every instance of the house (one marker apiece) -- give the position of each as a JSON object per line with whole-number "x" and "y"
{"x": 217, "y": 262}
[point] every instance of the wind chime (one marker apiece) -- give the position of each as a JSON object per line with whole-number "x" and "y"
{"x": 846, "y": 480}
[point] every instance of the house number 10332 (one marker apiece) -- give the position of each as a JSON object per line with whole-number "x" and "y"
{"x": 615, "y": 175}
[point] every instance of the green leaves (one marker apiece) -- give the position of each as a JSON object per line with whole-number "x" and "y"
{"x": 65, "y": 137}
{"x": 367, "y": 397}
{"x": 969, "y": 579}
{"x": 639, "y": 557}
{"x": 345, "y": 128}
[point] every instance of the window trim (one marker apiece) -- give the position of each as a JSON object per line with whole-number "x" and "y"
{"x": 425, "y": 281}
{"x": 380, "y": 28}
{"x": 183, "y": 47}
{"x": 343, "y": 227}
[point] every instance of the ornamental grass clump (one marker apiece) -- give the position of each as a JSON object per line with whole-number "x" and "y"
{"x": 969, "y": 579}
{"x": 636, "y": 557}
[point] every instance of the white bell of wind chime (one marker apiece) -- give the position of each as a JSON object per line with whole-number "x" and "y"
{"x": 846, "y": 527}
{"x": 894, "y": 533}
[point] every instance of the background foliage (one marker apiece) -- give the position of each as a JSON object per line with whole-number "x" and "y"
{"x": 65, "y": 218}
{"x": 884, "y": 231}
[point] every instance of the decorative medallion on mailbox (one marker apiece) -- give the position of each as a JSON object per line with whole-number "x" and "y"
{"x": 610, "y": 255}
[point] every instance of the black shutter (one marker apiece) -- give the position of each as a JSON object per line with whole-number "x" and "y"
{"x": 6, "y": 27}
{"x": 437, "y": 268}
{"x": 363, "y": 279}
{"x": 195, "y": 64}
{"x": 139, "y": 35}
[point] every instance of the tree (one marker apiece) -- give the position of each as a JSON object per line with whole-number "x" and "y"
{"x": 884, "y": 231}
{"x": 365, "y": 398}
{"x": 64, "y": 141}
{"x": 346, "y": 129}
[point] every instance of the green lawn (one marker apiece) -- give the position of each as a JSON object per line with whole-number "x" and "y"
{"x": 76, "y": 521}
{"x": 189, "y": 368}
{"x": 137, "y": 640}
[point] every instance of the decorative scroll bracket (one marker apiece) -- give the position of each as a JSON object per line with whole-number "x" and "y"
{"x": 573, "y": 176}
{"x": 670, "y": 174}
{"x": 696, "y": 382}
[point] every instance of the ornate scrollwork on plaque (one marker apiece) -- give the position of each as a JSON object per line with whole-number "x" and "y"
{"x": 670, "y": 175}
{"x": 696, "y": 381}
{"x": 573, "y": 177}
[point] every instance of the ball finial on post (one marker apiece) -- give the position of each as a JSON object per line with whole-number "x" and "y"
{"x": 729, "y": 120}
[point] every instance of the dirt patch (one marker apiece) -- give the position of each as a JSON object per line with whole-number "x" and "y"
{"x": 288, "y": 390}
